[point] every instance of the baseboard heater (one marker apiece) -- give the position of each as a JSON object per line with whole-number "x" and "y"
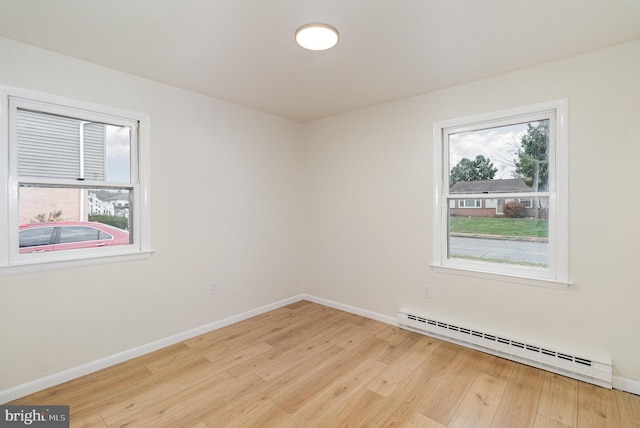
{"x": 585, "y": 369}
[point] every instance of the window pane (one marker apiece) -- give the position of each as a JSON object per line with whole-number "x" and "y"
{"x": 53, "y": 146}
{"x": 503, "y": 159}
{"x": 118, "y": 154}
{"x": 515, "y": 235}
{"x": 79, "y": 214}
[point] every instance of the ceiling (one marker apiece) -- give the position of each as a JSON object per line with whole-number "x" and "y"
{"x": 243, "y": 51}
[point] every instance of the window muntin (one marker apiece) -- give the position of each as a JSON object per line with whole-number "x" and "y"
{"x": 510, "y": 162}
{"x": 76, "y": 162}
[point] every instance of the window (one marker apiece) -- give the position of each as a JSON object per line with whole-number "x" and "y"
{"x": 527, "y": 203}
{"x": 470, "y": 203}
{"x": 513, "y": 163}
{"x": 77, "y": 182}
{"x": 36, "y": 237}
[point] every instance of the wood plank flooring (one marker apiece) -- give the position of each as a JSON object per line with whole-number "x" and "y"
{"x": 307, "y": 365}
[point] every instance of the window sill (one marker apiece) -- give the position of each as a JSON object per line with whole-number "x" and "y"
{"x": 535, "y": 282}
{"x": 40, "y": 266}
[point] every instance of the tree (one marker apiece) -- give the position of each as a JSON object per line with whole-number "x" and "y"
{"x": 472, "y": 170}
{"x": 532, "y": 164}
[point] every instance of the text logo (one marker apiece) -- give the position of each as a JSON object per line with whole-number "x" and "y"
{"x": 34, "y": 416}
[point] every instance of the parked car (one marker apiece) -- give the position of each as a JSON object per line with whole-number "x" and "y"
{"x": 57, "y": 236}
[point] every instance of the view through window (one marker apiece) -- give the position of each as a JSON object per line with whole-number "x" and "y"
{"x": 498, "y": 201}
{"x": 75, "y": 186}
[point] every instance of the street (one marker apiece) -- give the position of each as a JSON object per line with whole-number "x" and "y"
{"x": 516, "y": 251}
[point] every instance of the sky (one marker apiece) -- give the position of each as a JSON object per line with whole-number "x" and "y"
{"x": 118, "y": 154}
{"x": 497, "y": 144}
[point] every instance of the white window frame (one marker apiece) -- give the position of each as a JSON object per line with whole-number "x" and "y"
{"x": 11, "y": 261}
{"x": 557, "y": 273}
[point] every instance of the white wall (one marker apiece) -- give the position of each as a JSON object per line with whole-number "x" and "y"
{"x": 225, "y": 192}
{"x": 370, "y": 206}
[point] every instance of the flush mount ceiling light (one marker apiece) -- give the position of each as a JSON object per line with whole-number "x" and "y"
{"x": 317, "y": 37}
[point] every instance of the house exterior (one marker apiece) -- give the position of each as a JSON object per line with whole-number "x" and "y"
{"x": 118, "y": 201}
{"x": 100, "y": 207}
{"x": 492, "y": 207}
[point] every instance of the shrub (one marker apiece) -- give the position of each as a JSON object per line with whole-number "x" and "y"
{"x": 43, "y": 218}
{"x": 513, "y": 209}
{"x": 116, "y": 221}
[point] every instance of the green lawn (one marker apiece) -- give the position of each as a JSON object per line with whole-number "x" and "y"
{"x": 499, "y": 226}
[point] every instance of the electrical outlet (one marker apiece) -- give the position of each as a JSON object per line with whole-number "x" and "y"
{"x": 213, "y": 288}
{"x": 426, "y": 291}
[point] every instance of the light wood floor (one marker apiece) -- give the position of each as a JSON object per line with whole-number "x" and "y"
{"x": 307, "y": 365}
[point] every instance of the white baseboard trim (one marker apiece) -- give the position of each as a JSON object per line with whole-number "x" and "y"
{"x": 351, "y": 309}
{"x": 627, "y": 385}
{"x": 16, "y": 392}
{"x": 93, "y": 366}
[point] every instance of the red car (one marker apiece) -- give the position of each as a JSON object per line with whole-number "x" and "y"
{"x": 62, "y": 235}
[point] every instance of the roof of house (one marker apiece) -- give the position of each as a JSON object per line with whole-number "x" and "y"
{"x": 511, "y": 185}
